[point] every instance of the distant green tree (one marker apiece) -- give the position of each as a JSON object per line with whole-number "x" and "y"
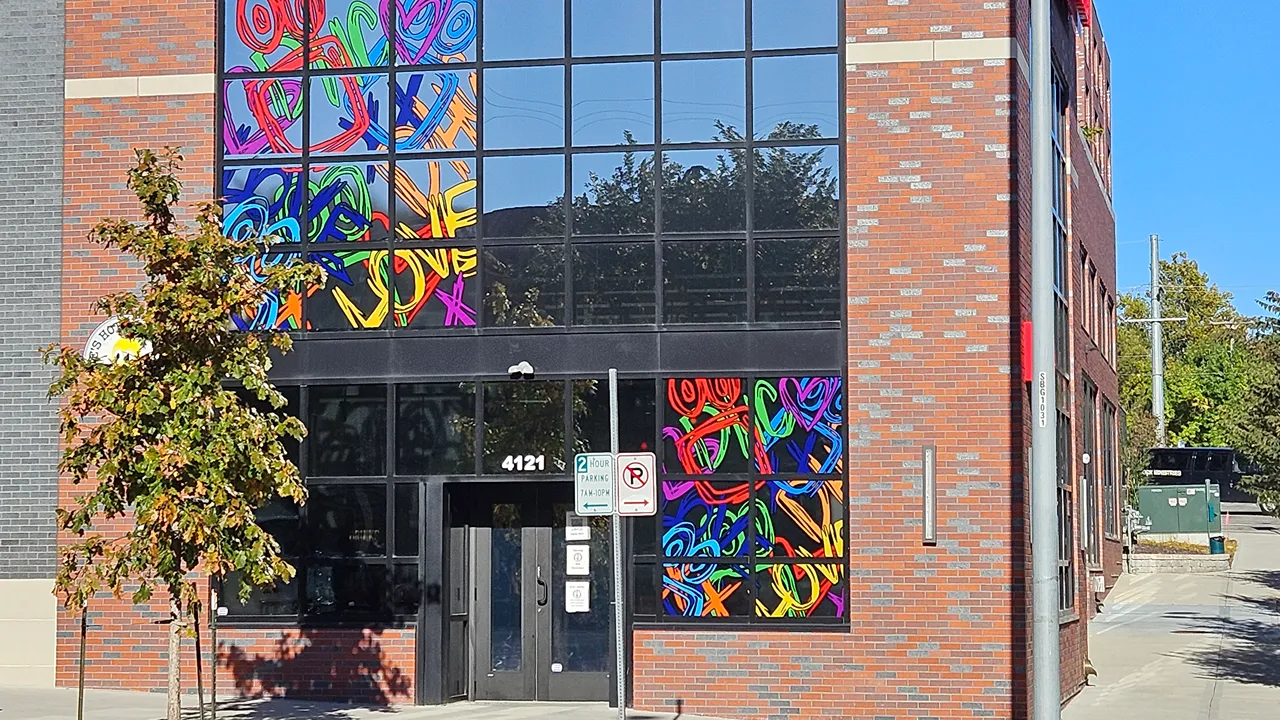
{"x": 1208, "y": 358}
{"x": 1256, "y": 424}
{"x": 158, "y": 438}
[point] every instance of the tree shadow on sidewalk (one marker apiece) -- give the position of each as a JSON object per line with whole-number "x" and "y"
{"x": 1248, "y": 651}
{"x": 282, "y": 709}
{"x": 1265, "y": 578}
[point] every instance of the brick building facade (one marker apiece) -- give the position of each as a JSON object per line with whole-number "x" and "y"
{"x": 922, "y": 345}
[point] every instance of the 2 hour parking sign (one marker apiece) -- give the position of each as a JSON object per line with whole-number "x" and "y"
{"x": 593, "y": 481}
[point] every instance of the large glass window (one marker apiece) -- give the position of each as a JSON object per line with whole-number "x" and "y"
{"x": 795, "y": 23}
{"x": 703, "y": 100}
{"x": 348, "y": 431}
{"x": 527, "y": 29}
{"x": 1108, "y": 464}
{"x": 1089, "y": 446}
{"x": 617, "y": 27}
{"x": 796, "y": 94}
{"x": 524, "y": 107}
{"x": 541, "y": 120}
{"x": 752, "y": 482}
{"x": 524, "y": 427}
{"x": 690, "y": 26}
{"x": 613, "y": 284}
{"x": 432, "y": 423}
{"x": 613, "y": 103}
{"x": 705, "y": 281}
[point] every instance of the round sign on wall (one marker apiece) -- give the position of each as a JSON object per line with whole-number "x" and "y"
{"x": 106, "y": 345}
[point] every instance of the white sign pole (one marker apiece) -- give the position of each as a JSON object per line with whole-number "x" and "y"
{"x": 619, "y": 619}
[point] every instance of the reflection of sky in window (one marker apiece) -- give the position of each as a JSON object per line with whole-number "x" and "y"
{"x": 610, "y": 100}
{"x": 702, "y": 25}
{"x": 697, "y": 93}
{"x": 524, "y": 107}
{"x": 524, "y": 181}
{"x": 801, "y": 89}
{"x": 612, "y": 27}
{"x": 794, "y": 23}
{"x": 523, "y": 29}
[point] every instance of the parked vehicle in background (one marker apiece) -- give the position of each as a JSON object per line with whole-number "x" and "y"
{"x": 1194, "y": 465}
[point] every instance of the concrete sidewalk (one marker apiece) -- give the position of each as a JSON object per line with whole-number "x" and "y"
{"x": 60, "y": 704}
{"x": 1192, "y": 647}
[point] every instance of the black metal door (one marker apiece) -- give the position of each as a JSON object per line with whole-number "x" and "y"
{"x": 541, "y": 629}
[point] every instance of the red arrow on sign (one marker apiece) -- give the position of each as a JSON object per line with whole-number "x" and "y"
{"x": 643, "y": 503}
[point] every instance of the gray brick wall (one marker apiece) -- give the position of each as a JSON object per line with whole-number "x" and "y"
{"x": 30, "y": 277}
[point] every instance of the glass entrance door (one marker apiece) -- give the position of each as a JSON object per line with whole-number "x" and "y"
{"x": 543, "y": 593}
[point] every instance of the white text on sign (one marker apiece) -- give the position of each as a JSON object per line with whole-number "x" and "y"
{"x": 593, "y": 481}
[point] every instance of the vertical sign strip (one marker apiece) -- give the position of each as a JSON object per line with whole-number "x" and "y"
{"x": 929, "y": 473}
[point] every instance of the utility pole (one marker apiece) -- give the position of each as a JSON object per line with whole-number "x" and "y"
{"x": 1046, "y": 692}
{"x": 1157, "y": 345}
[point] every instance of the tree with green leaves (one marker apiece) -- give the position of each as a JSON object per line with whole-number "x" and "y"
{"x": 1209, "y": 361}
{"x": 1255, "y": 427}
{"x": 158, "y": 438}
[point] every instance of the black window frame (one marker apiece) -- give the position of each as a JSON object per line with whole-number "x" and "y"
{"x": 475, "y": 239}
{"x": 649, "y": 566}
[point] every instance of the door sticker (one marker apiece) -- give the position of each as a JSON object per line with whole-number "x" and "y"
{"x": 577, "y": 596}
{"x": 578, "y": 560}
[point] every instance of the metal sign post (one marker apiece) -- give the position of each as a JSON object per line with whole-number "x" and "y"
{"x": 621, "y": 485}
{"x": 619, "y": 617}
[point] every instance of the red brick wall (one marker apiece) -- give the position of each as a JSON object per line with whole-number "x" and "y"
{"x": 347, "y": 664}
{"x": 127, "y": 645}
{"x": 1093, "y": 231}
{"x": 936, "y": 631}
{"x": 108, "y": 38}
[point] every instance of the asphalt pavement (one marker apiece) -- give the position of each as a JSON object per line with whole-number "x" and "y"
{"x": 1192, "y": 647}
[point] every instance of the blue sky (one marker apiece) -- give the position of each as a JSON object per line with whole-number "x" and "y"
{"x": 1196, "y": 114}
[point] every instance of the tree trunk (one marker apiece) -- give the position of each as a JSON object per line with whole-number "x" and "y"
{"x": 175, "y": 660}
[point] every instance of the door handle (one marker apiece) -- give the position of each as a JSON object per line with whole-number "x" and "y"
{"x": 544, "y": 592}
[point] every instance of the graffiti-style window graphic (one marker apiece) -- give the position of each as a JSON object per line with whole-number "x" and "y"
{"x": 262, "y": 117}
{"x": 784, "y": 507}
{"x": 348, "y": 202}
{"x": 357, "y": 293}
{"x": 702, "y": 518}
{"x": 800, "y": 518}
{"x": 706, "y": 430}
{"x": 282, "y": 308}
{"x": 263, "y": 202}
{"x": 436, "y": 287}
{"x": 799, "y": 425}
{"x": 801, "y": 591}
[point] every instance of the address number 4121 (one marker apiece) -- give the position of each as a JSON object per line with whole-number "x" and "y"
{"x": 524, "y": 463}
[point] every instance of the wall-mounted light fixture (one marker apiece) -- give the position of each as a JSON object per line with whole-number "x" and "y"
{"x": 929, "y": 474}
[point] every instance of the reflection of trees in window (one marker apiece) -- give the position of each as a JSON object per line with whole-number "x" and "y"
{"x": 348, "y": 431}
{"x": 526, "y": 417}
{"x": 524, "y": 286}
{"x": 613, "y": 284}
{"x": 427, "y": 437}
{"x": 795, "y": 188}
